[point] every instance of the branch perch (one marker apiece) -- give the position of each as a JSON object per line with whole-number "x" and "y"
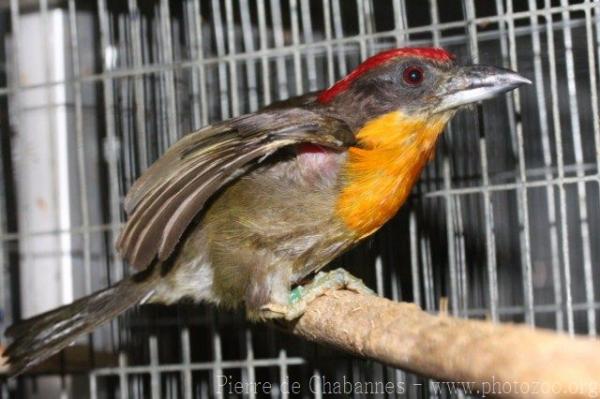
{"x": 533, "y": 362}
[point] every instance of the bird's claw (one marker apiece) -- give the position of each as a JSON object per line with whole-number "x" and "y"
{"x": 302, "y": 295}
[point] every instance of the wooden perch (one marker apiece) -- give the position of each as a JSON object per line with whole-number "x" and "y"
{"x": 497, "y": 359}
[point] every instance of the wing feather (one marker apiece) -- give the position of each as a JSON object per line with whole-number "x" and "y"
{"x": 169, "y": 195}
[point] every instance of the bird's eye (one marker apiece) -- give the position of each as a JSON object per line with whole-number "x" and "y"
{"x": 413, "y": 75}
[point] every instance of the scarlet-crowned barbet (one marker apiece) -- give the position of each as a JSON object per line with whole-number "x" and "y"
{"x": 240, "y": 212}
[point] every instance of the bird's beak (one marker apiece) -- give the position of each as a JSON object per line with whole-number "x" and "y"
{"x": 476, "y": 83}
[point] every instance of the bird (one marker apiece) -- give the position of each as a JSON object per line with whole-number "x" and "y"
{"x": 248, "y": 211}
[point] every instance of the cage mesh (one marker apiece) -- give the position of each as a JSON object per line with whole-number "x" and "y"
{"x": 504, "y": 224}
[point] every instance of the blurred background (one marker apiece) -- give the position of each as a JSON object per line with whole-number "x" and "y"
{"x": 504, "y": 225}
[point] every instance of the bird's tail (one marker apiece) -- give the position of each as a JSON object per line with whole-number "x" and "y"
{"x": 41, "y": 336}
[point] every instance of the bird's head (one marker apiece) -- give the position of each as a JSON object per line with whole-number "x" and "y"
{"x": 417, "y": 82}
{"x": 398, "y": 103}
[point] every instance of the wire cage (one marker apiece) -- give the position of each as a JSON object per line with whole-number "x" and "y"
{"x": 504, "y": 223}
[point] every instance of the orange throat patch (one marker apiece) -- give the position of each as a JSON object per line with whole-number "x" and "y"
{"x": 379, "y": 174}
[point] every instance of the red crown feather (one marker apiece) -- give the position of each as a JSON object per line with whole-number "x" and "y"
{"x": 431, "y": 53}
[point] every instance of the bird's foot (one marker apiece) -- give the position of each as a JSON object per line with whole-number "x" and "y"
{"x": 302, "y": 295}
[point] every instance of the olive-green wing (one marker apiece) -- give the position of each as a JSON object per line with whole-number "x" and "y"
{"x": 169, "y": 195}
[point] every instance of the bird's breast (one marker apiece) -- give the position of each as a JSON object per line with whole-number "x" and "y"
{"x": 380, "y": 172}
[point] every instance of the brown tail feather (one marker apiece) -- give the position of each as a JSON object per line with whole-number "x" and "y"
{"x": 39, "y": 337}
